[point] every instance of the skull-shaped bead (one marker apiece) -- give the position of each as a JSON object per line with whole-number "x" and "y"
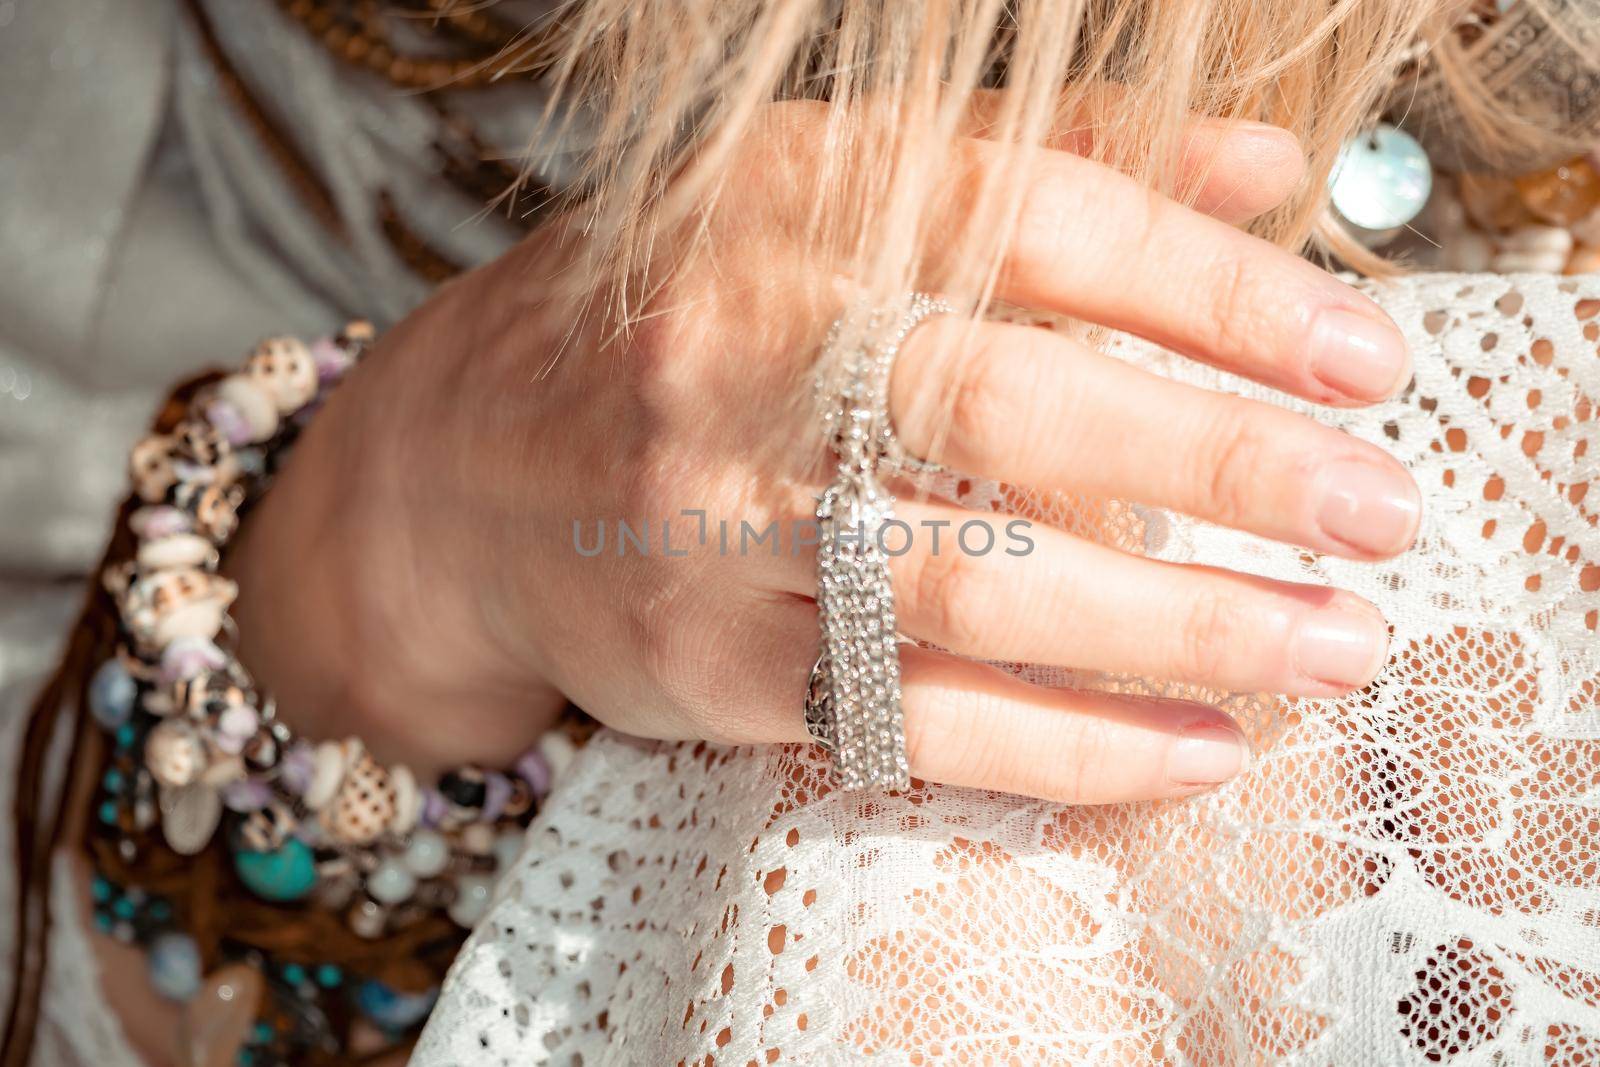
{"x": 285, "y": 371}
{"x": 151, "y": 467}
{"x": 174, "y": 753}
{"x": 187, "y": 602}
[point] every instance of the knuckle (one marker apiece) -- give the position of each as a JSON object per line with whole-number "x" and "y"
{"x": 983, "y": 404}
{"x": 1230, "y": 465}
{"x": 1050, "y": 216}
{"x": 947, "y": 595}
{"x": 1236, "y": 298}
{"x": 1208, "y": 635}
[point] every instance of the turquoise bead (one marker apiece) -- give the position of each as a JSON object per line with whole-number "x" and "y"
{"x": 123, "y": 908}
{"x": 175, "y": 966}
{"x": 294, "y": 974}
{"x": 112, "y": 692}
{"x": 100, "y": 890}
{"x": 391, "y": 1009}
{"x": 126, "y": 735}
{"x": 286, "y": 873}
{"x": 263, "y": 1033}
{"x": 329, "y": 976}
{"x": 108, "y": 812}
{"x": 1381, "y": 180}
{"x": 113, "y": 781}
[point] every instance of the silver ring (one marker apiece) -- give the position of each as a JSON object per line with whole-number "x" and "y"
{"x": 819, "y": 722}
{"x": 853, "y": 698}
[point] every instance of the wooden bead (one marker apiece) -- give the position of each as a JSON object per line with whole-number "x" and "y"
{"x": 176, "y": 550}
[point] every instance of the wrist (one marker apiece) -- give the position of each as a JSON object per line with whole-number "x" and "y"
{"x": 349, "y": 615}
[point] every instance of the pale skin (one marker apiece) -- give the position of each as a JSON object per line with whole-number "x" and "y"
{"x": 411, "y": 576}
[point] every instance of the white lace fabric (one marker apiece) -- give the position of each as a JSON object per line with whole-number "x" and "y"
{"x": 1407, "y": 875}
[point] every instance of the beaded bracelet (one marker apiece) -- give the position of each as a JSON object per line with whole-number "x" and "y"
{"x": 197, "y": 747}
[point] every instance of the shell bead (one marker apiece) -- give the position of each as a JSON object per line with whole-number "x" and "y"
{"x": 558, "y": 752}
{"x": 255, "y": 406}
{"x": 112, "y": 692}
{"x": 285, "y": 873}
{"x": 1534, "y": 248}
{"x": 327, "y": 772}
{"x": 189, "y": 817}
{"x": 175, "y": 550}
{"x": 364, "y": 805}
{"x": 407, "y": 800}
{"x": 1381, "y": 180}
{"x": 155, "y": 521}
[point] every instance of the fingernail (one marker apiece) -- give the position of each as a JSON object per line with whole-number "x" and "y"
{"x": 1340, "y": 647}
{"x": 1372, "y": 509}
{"x": 1206, "y": 755}
{"x": 1360, "y": 357}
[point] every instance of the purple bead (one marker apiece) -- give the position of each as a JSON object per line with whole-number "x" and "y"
{"x": 154, "y": 523}
{"x": 187, "y": 657}
{"x": 331, "y": 360}
{"x": 246, "y": 794}
{"x": 533, "y": 769}
{"x": 297, "y": 767}
{"x": 434, "y": 808}
{"x": 229, "y": 421}
{"x": 235, "y": 726}
{"x": 496, "y": 791}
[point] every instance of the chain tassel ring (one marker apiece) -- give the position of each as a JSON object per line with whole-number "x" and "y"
{"x": 852, "y": 703}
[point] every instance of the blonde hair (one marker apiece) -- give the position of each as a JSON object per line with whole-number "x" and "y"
{"x": 666, "y": 93}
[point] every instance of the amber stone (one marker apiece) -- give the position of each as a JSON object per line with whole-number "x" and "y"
{"x": 1493, "y": 202}
{"x": 1561, "y": 195}
{"x": 1585, "y": 259}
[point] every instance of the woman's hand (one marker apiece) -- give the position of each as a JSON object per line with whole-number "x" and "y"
{"x": 414, "y": 576}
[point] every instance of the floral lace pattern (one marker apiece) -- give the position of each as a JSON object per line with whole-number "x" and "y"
{"x": 1408, "y": 875}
